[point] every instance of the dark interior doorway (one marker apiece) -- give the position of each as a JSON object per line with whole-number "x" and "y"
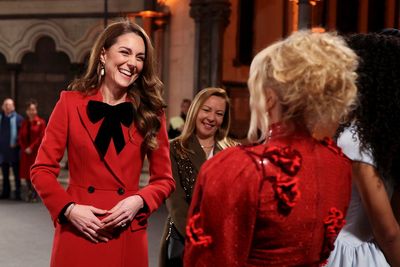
{"x": 4, "y": 79}
{"x": 43, "y": 75}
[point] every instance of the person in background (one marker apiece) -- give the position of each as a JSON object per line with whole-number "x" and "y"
{"x": 371, "y": 236}
{"x": 29, "y": 138}
{"x": 10, "y": 123}
{"x": 110, "y": 120}
{"x": 281, "y": 201}
{"x": 176, "y": 123}
{"x": 204, "y": 135}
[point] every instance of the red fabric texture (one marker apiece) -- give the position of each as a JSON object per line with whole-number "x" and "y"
{"x": 30, "y": 136}
{"x": 334, "y": 222}
{"x": 268, "y": 205}
{"x": 100, "y": 182}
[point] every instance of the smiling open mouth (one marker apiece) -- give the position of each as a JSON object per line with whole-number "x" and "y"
{"x": 126, "y": 72}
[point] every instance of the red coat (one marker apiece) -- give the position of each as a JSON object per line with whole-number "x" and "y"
{"x": 282, "y": 204}
{"x": 98, "y": 182}
{"x": 30, "y": 135}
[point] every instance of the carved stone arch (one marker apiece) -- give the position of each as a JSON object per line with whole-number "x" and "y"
{"x": 85, "y": 44}
{"x": 75, "y": 49}
{"x": 5, "y": 51}
{"x": 28, "y": 39}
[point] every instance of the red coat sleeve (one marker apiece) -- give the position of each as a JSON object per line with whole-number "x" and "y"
{"x": 161, "y": 183}
{"x": 223, "y": 211}
{"x": 46, "y": 168}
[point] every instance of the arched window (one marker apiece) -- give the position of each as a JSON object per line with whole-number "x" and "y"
{"x": 43, "y": 74}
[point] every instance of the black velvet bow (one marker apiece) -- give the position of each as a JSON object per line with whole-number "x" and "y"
{"x": 111, "y": 126}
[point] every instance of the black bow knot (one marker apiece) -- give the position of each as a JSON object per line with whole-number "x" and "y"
{"x": 111, "y": 125}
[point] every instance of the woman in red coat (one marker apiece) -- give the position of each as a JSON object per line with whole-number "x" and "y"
{"x": 109, "y": 122}
{"x": 281, "y": 202}
{"x": 29, "y": 138}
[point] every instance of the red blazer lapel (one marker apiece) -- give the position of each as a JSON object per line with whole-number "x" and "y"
{"x": 111, "y": 157}
{"x": 91, "y": 128}
{"x": 112, "y": 161}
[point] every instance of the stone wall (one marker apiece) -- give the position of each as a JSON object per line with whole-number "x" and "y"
{"x": 72, "y": 25}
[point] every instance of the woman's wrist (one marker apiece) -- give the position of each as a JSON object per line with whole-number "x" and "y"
{"x": 67, "y": 212}
{"x": 140, "y": 200}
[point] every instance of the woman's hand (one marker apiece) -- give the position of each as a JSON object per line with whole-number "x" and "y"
{"x": 84, "y": 219}
{"x": 124, "y": 212}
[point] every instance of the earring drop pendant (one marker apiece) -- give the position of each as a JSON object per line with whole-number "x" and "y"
{"x": 102, "y": 71}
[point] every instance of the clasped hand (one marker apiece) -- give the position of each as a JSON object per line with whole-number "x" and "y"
{"x": 84, "y": 218}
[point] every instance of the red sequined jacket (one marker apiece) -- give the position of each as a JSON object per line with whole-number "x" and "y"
{"x": 277, "y": 204}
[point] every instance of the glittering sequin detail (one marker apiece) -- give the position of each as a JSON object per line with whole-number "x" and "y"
{"x": 334, "y": 222}
{"x": 195, "y": 234}
{"x": 285, "y": 183}
{"x": 187, "y": 175}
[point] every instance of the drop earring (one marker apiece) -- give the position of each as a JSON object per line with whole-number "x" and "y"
{"x": 102, "y": 70}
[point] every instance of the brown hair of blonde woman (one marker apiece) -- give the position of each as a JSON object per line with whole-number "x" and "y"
{"x": 145, "y": 92}
{"x": 313, "y": 75}
{"x": 189, "y": 127}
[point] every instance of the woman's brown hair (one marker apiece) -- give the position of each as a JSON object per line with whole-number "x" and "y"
{"x": 145, "y": 92}
{"x": 190, "y": 125}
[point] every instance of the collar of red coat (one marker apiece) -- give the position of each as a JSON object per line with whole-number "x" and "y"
{"x": 287, "y": 129}
{"x": 111, "y": 156}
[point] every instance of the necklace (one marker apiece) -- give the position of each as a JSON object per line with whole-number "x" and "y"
{"x": 207, "y": 146}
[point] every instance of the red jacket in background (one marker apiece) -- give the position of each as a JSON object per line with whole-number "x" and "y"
{"x": 30, "y": 136}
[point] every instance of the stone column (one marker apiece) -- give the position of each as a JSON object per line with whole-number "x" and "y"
{"x": 211, "y": 18}
{"x": 363, "y": 16}
{"x": 14, "y": 70}
{"x": 332, "y": 13}
{"x": 390, "y": 14}
{"x": 304, "y": 14}
{"x": 159, "y": 29}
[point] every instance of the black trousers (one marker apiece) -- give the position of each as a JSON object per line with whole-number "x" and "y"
{"x": 5, "y": 168}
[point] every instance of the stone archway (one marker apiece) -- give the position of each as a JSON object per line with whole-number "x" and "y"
{"x": 43, "y": 74}
{"x": 24, "y": 41}
{"x": 24, "y": 78}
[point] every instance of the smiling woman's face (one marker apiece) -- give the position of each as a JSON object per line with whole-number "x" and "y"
{"x": 210, "y": 116}
{"x": 124, "y": 60}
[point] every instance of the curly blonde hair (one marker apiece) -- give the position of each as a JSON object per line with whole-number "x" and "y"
{"x": 313, "y": 75}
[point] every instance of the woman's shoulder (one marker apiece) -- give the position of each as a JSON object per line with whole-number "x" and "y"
{"x": 233, "y": 158}
{"x": 41, "y": 121}
{"x": 173, "y": 146}
{"x": 350, "y": 144}
{"x": 332, "y": 150}
{"x": 231, "y": 170}
{"x": 72, "y": 95}
{"x": 176, "y": 149}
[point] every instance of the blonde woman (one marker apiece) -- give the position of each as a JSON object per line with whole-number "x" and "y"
{"x": 204, "y": 135}
{"x": 281, "y": 202}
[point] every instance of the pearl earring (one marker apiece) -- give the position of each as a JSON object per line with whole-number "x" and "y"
{"x": 102, "y": 71}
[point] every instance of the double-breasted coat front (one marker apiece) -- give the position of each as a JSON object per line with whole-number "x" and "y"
{"x": 99, "y": 182}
